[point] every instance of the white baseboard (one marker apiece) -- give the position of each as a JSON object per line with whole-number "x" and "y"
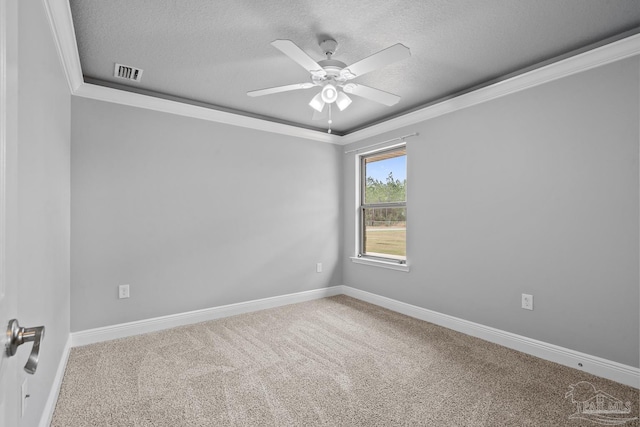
{"x": 123, "y": 330}
{"x": 615, "y": 371}
{"x": 50, "y": 405}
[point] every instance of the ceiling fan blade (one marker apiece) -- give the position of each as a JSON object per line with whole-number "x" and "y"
{"x": 290, "y": 49}
{"x": 372, "y": 94}
{"x": 377, "y": 60}
{"x": 277, "y": 89}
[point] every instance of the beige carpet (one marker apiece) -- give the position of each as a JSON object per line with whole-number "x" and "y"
{"x": 334, "y": 362}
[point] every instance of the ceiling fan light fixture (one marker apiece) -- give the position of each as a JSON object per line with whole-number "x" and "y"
{"x": 343, "y": 101}
{"x": 317, "y": 103}
{"x": 329, "y": 93}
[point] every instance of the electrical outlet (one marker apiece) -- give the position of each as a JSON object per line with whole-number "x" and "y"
{"x": 527, "y": 302}
{"x": 123, "y": 291}
{"x": 319, "y": 267}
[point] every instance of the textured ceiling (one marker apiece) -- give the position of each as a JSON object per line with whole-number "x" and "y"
{"x": 213, "y": 52}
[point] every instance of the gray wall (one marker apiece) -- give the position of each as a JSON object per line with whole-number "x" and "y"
{"x": 194, "y": 214}
{"x": 43, "y": 199}
{"x": 535, "y": 192}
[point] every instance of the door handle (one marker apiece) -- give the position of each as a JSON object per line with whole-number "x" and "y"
{"x": 17, "y": 335}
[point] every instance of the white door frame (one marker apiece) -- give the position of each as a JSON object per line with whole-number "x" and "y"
{"x": 9, "y": 391}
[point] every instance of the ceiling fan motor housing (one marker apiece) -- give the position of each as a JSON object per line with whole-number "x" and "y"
{"x": 332, "y": 67}
{"x": 329, "y": 46}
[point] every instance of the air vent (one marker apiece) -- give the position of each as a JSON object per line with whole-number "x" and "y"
{"x": 127, "y": 72}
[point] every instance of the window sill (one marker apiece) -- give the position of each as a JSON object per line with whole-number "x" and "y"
{"x": 381, "y": 263}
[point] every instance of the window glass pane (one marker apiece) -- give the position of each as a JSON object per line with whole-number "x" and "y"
{"x": 385, "y": 232}
{"x": 385, "y": 177}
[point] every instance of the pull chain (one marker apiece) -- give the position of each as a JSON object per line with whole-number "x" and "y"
{"x": 330, "y": 121}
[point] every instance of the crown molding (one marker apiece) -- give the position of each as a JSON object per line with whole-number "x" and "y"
{"x": 59, "y": 14}
{"x": 597, "y": 57}
{"x": 61, "y": 22}
{"x": 132, "y": 99}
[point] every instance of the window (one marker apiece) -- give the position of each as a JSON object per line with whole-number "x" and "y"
{"x": 383, "y": 205}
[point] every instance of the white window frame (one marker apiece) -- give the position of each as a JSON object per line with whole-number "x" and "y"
{"x": 359, "y": 257}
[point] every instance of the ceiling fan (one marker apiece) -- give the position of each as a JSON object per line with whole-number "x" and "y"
{"x": 332, "y": 75}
